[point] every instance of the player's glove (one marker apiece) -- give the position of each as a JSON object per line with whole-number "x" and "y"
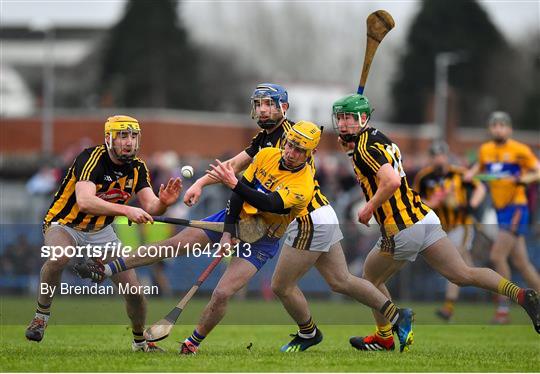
{"x": 94, "y": 271}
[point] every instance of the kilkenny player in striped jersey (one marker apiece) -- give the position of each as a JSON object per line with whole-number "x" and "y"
{"x": 95, "y": 189}
{"x": 270, "y": 103}
{"x": 312, "y": 239}
{"x": 408, "y": 226}
{"x": 442, "y": 187}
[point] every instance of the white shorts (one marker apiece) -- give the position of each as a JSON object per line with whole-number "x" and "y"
{"x": 462, "y": 236}
{"x": 317, "y": 231}
{"x": 95, "y": 238}
{"x": 408, "y": 243}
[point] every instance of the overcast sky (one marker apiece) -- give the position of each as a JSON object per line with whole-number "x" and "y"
{"x": 514, "y": 18}
{"x": 321, "y": 49}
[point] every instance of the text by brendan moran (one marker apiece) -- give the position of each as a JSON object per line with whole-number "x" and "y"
{"x": 95, "y": 289}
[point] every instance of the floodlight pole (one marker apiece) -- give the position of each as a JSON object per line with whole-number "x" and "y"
{"x": 443, "y": 61}
{"x": 47, "y": 126}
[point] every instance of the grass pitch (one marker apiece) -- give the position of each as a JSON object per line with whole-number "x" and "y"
{"x": 464, "y": 346}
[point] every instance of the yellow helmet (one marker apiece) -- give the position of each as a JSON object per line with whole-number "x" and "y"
{"x": 119, "y": 124}
{"x": 305, "y": 135}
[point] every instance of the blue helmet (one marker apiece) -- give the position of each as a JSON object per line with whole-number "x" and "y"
{"x": 273, "y": 91}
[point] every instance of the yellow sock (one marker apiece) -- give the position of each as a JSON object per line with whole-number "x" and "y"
{"x": 509, "y": 289}
{"x": 385, "y": 331}
{"x": 449, "y": 305}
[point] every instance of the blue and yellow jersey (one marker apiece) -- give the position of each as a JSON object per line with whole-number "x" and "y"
{"x": 508, "y": 160}
{"x": 276, "y": 139}
{"x": 296, "y": 188}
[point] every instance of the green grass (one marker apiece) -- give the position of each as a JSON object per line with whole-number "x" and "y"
{"x": 466, "y": 346}
{"x": 110, "y": 310}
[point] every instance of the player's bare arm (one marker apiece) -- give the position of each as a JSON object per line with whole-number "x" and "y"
{"x": 167, "y": 196}
{"x": 478, "y": 195}
{"x": 389, "y": 182}
{"x": 470, "y": 174}
{"x": 89, "y": 203}
{"x": 436, "y": 200}
{"x": 239, "y": 163}
{"x": 531, "y": 176}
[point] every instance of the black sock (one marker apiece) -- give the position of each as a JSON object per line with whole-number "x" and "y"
{"x": 138, "y": 337}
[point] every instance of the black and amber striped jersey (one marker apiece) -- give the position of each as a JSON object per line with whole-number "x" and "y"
{"x": 114, "y": 183}
{"x": 404, "y": 208}
{"x": 453, "y": 210}
{"x": 275, "y": 139}
{"x": 264, "y": 139}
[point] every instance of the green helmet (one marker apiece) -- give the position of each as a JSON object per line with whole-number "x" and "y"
{"x": 355, "y": 104}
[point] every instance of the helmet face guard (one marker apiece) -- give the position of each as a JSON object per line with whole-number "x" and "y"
{"x": 353, "y": 108}
{"x": 126, "y": 130}
{"x": 273, "y": 96}
{"x": 349, "y": 137}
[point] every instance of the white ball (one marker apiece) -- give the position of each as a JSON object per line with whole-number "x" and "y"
{"x": 187, "y": 171}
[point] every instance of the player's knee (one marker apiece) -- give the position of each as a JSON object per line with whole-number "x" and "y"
{"x": 190, "y": 235}
{"x": 366, "y": 275}
{"x": 520, "y": 264}
{"x": 135, "y": 300}
{"x": 277, "y": 287}
{"x": 376, "y": 281}
{"x": 281, "y": 289}
{"x": 339, "y": 287}
{"x": 222, "y": 295}
{"x": 58, "y": 264}
{"x": 338, "y": 284}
